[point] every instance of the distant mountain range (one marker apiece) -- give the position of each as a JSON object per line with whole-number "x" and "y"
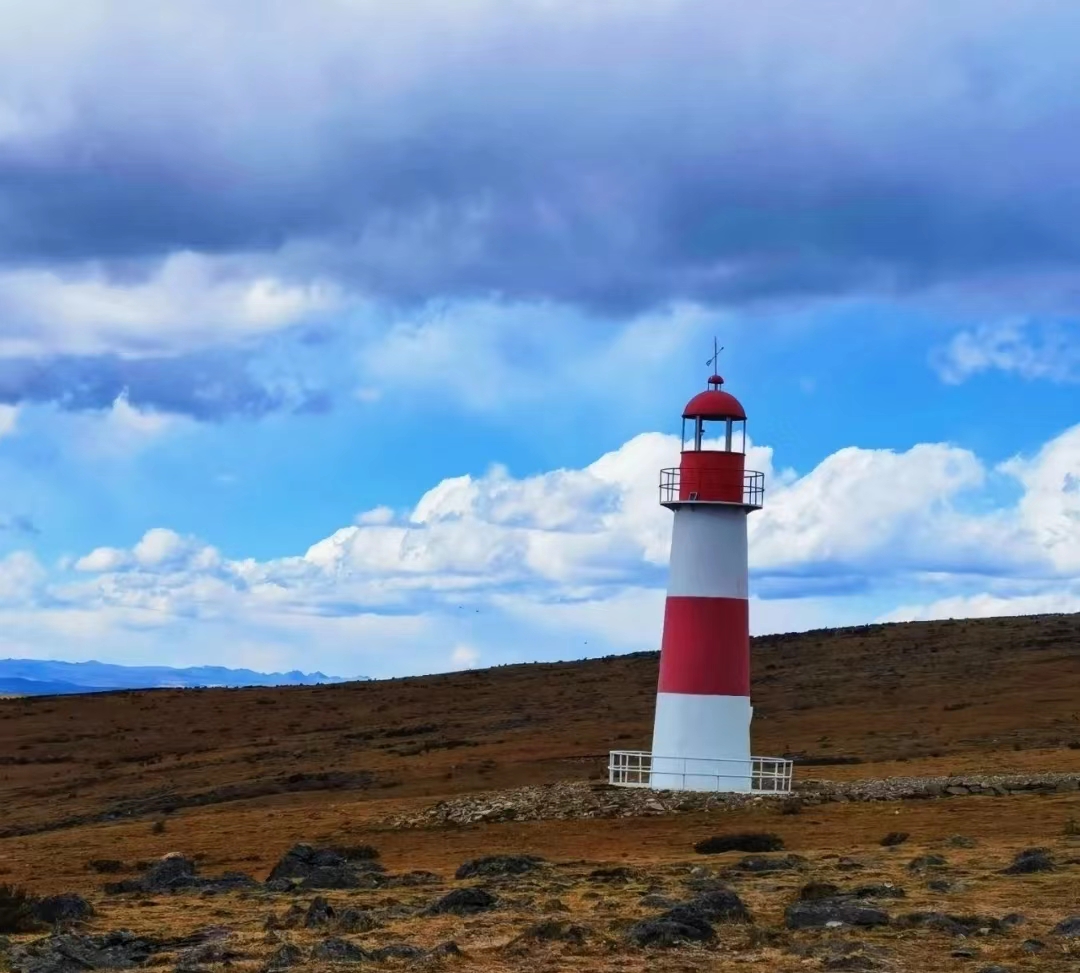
{"x": 32, "y": 677}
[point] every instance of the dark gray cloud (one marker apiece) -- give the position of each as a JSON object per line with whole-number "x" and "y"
{"x": 210, "y": 385}
{"x": 611, "y": 157}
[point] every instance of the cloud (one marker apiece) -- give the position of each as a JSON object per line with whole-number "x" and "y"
{"x": 1023, "y": 348}
{"x": 9, "y": 419}
{"x": 465, "y": 657}
{"x": 491, "y": 356}
{"x": 572, "y": 562}
{"x": 207, "y": 385}
{"x": 184, "y": 303}
{"x": 707, "y": 151}
{"x": 21, "y": 579}
{"x": 1061, "y": 600}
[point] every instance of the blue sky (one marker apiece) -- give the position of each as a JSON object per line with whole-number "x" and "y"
{"x": 344, "y": 337}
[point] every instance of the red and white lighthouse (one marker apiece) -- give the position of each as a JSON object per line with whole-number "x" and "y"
{"x": 701, "y": 733}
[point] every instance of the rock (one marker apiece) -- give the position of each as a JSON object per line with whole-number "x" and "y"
{"x": 879, "y": 890}
{"x": 356, "y": 920}
{"x": 556, "y": 931}
{"x": 851, "y": 964}
{"x": 961, "y": 841}
{"x": 822, "y": 913}
{"x": 446, "y": 949}
{"x": 849, "y": 865}
{"x": 578, "y": 799}
{"x": 669, "y": 932}
{"x": 953, "y": 925}
{"x": 894, "y": 838}
{"x": 176, "y": 873}
{"x": 105, "y": 866}
{"x": 285, "y": 957}
{"x": 413, "y": 879}
{"x": 656, "y": 901}
{"x": 617, "y": 875}
{"x": 396, "y": 951}
{"x": 327, "y": 868}
{"x": 203, "y": 954}
{"x": 339, "y": 951}
{"x": 750, "y": 842}
{"x": 1033, "y": 946}
{"x": 1031, "y": 860}
{"x": 1068, "y": 928}
{"x": 68, "y": 907}
{"x": 319, "y": 913}
{"x": 926, "y": 862}
{"x": 294, "y": 917}
{"x": 66, "y": 952}
{"x": 716, "y": 905}
{"x": 757, "y": 863}
{"x": 463, "y": 902}
{"x": 815, "y": 891}
{"x": 499, "y": 865}
{"x": 995, "y": 968}
{"x": 966, "y": 952}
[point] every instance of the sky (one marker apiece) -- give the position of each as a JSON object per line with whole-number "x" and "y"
{"x": 352, "y": 336}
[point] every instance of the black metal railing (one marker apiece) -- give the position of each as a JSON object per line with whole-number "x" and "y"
{"x": 712, "y": 484}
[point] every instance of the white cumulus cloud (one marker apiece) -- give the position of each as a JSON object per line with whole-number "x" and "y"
{"x": 572, "y": 562}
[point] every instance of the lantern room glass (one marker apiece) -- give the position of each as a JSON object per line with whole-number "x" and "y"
{"x": 713, "y": 435}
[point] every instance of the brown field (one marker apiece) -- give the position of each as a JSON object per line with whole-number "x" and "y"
{"x": 235, "y": 777}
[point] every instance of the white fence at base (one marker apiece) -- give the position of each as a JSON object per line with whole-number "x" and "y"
{"x": 758, "y": 775}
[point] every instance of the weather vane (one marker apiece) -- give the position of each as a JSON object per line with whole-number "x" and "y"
{"x": 714, "y": 362}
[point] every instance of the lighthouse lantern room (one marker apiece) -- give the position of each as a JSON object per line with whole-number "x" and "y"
{"x": 701, "y": 729}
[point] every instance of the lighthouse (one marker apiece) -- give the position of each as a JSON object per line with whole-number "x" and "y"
{"x": 701, "y": 729}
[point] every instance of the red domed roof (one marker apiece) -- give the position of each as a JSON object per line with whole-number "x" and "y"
{"x": 714, "y": 404}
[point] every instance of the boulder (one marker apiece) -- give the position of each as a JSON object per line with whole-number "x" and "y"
{"x": 758, "y": 864}
{"x": 66, "y": 952}
{"x": 463, "y": 902}
{"x": 356, "y": 920}
{"x": 1068, "y": 928}
{"x": 815, "y": 891}
{"x": 339, "y": 951}
{"x": 556, "y": 931}
{"x": 666, "y": 931}
{"x": 497, "y": 866}
{"x": 404, "y": 951}
{"x": 176, "y": 873}
{"x": 925, "y": 863}
{"x": 319, "y": 913}
{"x": 68, "y": 907}
{"x": 878, "y": 890}
{"x": 747, "y": 842}
{"x": 894, "y": 838}
{"x": 326, "y": 868}
{"x": 204, "y": 954}
{"x": 716, "y": 905}
{"x": 284, "y": 958}
{"x": 824, "y": 913}
{"x": 952, "y": 925}
{"x": 1031, "y": 860}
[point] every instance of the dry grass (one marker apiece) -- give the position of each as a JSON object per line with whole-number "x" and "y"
{"x": 247, "y": 773}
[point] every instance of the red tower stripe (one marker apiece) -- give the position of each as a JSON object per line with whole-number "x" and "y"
{"x": 706, "y": 647}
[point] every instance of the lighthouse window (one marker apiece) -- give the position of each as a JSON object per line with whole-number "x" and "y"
{"x": 738, "y": 436}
